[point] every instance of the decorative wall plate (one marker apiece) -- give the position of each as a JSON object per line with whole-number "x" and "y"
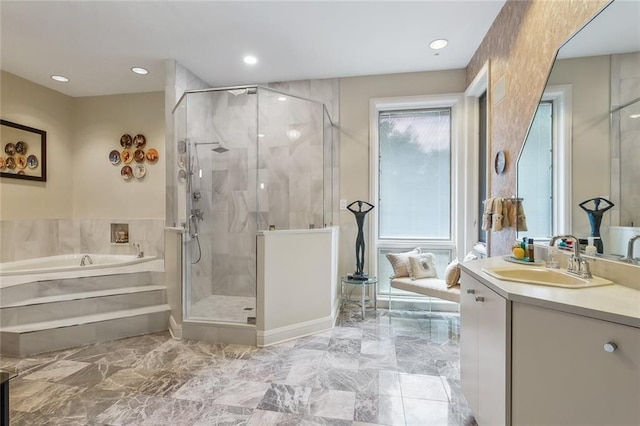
{"x": 2, "y": 163}
{"x": 182, "y": 147}
{"x": 11, "y": 163}
{"x": 138, "y": 155}
{"x": 114, "y": 157}
{"x": 21, "y": 172}
{"x": 126, "y": 155}
{"x": 139, "y": 171}
{"x": 21, "y": 147}
{"x": 139, "y": 141}
{"x": 10, "y": 149}
{"x": 32, "y": 161}
{"x": 125, "y": 140}
{"x": 126, "y": 173}
{"x": 152, "y": 155}
{"x": 21, "y": 161}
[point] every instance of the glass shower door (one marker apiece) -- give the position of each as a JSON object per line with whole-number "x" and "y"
{"x": 221, "y": 250}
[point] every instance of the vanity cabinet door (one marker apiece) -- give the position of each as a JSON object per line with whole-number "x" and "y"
{"x": 484, "y": 331}
{"x": 562, "y": 374}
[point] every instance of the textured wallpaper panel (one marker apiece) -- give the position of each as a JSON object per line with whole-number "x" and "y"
{"x": 520, "y": 47}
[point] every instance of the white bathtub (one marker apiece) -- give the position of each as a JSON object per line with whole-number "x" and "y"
{"x": 68, "y": 262}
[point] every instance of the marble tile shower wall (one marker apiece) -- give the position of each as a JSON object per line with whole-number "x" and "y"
{"x": 227, "y": 232}
{"x": 26, "y": 239}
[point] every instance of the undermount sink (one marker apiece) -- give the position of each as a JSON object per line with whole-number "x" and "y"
{"x": 543, "y": 276}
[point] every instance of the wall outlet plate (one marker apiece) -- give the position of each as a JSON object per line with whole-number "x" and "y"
{"x": 343, "y": 204}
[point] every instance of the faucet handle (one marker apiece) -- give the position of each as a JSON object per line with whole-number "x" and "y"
{"x": 585, "y": 271}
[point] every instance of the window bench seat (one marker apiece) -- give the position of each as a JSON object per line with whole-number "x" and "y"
{"x": 433, "y": 287}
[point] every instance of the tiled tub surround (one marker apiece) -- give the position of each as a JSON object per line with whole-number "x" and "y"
{"x": 26, "y": 239}
{"x": 39, "y": 313}
{"x": 393, "y": 368}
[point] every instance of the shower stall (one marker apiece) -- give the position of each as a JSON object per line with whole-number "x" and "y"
{"x": 248, "y": 159}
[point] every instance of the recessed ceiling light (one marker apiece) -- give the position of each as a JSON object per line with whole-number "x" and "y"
{"x": 261, "y": 135}
{"x": 438, "y": 44}
{"x": 282, "y": 98}
{"x": 140, "y": 70}
{"x": 60, "y": 78}
{"x": 634, "y": 116}
{"x": 250, "y": 60}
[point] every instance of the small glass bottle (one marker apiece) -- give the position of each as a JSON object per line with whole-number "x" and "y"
{"x": 530, "y": 250}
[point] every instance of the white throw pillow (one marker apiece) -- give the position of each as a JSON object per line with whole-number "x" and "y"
{"x": 469, "y": 256}
{"x": 400, "y": 262}
{"x": 452, "y": 273}
{"x": 423, "y": 266}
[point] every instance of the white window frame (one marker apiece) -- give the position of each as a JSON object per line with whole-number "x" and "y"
{"x": 453, "y": 101}
{"x": 478, "y": 86}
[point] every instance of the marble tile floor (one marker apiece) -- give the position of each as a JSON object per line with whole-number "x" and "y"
{"x": 393, "y": 368}
{"x": 224, "y": 308}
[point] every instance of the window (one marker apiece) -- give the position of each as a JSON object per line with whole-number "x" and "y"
{"x": 536, "y": 163}
{"x": 414, "y": 167}
{"x": 414, "y": 174}
{"x": 483, "y": 189}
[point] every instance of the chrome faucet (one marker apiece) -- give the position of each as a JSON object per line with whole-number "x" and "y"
{"x": 577, "y": 265}
{"x": 138, "y": 247}
{"x": 629, "y": 257}
{"x": 85, "y": 258}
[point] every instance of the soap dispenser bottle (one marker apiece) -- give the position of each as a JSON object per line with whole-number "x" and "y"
{"x": 590, "y": 249}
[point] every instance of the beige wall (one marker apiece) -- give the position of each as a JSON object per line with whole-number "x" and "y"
{"x": 520, "y": 47}
{"x": 99, "y": 191}
{"x": 355, "y": 93}
{"x": 81, "y": 182}
{"x": 35, "y": 106}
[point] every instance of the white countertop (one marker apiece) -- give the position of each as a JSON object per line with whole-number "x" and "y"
{"x": 614, "y": 303}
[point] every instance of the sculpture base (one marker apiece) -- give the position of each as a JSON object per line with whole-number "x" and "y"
{"x": 358, "y": 276}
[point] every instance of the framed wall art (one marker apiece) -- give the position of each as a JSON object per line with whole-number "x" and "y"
{"x": 23, "y": 152}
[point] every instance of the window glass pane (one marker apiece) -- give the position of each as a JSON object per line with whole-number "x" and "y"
{"x": 536, "y": 163}
{"x": 414, "y": 168}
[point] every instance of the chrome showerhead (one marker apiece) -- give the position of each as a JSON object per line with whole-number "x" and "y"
{"x": 220, "y": 149}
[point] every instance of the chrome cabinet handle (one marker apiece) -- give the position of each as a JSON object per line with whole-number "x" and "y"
{"x": 610, "y": 347}
{"x": 479, "y": 299}
{"x": 470, "y": 291}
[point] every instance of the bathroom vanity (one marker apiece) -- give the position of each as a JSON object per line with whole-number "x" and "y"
{"x": 543, "y": 355}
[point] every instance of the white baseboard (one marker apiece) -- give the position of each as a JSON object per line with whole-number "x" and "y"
{"x": 290, "y": 332}
{"x": 175, "y": 329}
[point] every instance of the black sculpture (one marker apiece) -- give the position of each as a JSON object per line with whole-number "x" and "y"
{"x": 595, "y": 218}
{"x": 360, "y": 215}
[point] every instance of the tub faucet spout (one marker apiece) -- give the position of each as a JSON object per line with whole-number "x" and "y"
{"x": 86, "y": 258}
{"x": 140, "y": 253}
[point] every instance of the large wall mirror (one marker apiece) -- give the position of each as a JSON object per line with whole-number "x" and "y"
{"x": 579, "y": 169}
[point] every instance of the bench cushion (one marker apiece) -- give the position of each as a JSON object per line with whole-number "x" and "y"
{"x": 434, "y": 287}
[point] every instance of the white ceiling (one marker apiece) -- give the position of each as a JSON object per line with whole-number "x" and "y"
{"x": 95, "y": 43}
